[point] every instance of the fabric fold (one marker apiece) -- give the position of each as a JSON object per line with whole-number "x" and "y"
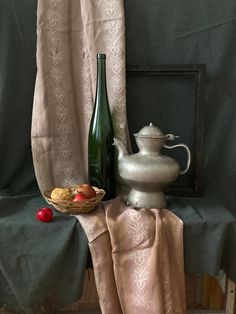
{"x": 137, "y": 257}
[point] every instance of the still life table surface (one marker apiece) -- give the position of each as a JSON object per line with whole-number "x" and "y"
{"x": 209, "y": 238}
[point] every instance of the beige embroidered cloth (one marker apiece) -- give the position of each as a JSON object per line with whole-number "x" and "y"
{"x": 69, "y": 35}
{"x": 138, "y": 259}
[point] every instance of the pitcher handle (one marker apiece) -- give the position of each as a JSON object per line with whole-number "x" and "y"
{"x": 188, "y": 152}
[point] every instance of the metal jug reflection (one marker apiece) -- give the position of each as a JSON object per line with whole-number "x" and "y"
{"x": 149, "y": 172}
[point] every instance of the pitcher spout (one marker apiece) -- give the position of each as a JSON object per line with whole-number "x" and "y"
{"x": 122, "y": 150}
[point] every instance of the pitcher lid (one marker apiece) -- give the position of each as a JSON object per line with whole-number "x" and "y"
{"x": 150, "y": 131}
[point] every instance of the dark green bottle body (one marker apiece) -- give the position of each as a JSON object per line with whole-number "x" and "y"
{"x": 101, "y": 152}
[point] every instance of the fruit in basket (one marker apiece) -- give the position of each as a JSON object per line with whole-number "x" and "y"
{"x": 79, "y": 197}
{"x": 44, "y": 214}
{"x": 86, "y": 189}
{"x": 61, "y": 194}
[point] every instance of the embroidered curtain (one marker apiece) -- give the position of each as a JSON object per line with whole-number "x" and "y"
{"x": 69, "y": 35}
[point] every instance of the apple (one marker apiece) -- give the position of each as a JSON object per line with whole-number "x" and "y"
{"x": 79, "y": 197}
{"x": 86, "y": 189}
{"x": 44, "y": 214}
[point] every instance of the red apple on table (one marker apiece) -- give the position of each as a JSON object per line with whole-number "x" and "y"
{"x": 79, "y": 197}
{"x": 44, "y": 214}
{"x": 86, "y": 189}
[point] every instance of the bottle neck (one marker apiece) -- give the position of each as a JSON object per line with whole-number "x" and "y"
{"x": 101, "y": 89}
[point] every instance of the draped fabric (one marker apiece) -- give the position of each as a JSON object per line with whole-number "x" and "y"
{"x": 69, "y": 35}
{"x": 138, "y": 259}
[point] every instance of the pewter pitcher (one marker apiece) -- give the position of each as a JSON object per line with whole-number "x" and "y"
{"x": 149, "y": 172}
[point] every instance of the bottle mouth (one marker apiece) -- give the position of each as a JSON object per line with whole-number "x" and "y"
{"x": 101, "y": 56}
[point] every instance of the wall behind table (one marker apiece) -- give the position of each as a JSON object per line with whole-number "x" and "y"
{"x": 195, "y": 32}
{"x": 17, "y": 79}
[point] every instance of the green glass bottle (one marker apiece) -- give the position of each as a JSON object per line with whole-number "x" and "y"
{"x": 101, "y": 153}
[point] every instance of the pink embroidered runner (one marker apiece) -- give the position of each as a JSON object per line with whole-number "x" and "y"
{"x": 137, "y": 258}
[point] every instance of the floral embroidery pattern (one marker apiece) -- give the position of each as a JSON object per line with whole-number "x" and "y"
{"x": 133, "y": 214}
{"x": 167, "y": 287}
{"x": 142, "y": 301}
{"x": 86, "y": 76}
{"x": 140, "y": 273}
{"x": 139, "y": 256}
{"x": 140, "y": 276}
{"x": 115, "y": 44}
{"x": 63, "y": 139}
{"x": 137, "y": 230}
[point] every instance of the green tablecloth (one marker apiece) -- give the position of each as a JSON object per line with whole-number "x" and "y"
{"x": 209, "y": 235}
{"x": 39, "y": 262}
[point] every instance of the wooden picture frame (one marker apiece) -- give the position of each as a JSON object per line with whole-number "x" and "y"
{"x": 171, "y": 97}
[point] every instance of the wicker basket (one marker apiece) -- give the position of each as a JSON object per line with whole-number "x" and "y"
{"x": 79, "y": 207}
